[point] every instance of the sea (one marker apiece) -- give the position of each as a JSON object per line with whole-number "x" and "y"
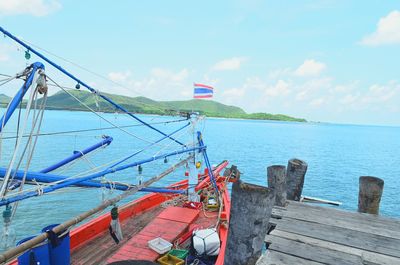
{"x": 337, "y": 155}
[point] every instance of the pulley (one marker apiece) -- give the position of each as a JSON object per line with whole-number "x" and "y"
{"x": 77, "y": 86}
{"x": 27, "y": 55}
{"x": 7, "y": 214}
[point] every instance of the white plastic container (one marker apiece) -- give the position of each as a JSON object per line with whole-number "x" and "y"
{"x": 206, "y": 242}
{"x": 159, "y": 245}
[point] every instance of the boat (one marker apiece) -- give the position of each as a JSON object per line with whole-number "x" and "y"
{"x": 182, "y": 223}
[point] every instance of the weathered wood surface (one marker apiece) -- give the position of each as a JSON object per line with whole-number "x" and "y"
{"x": 295, "y": 173}
{"x": 98, "y": 250}
{"x": 274, "y": 258}
{"x": 309, "y": 234}
{"x": 369, "y": 195}
{"x": 277, "y": 180}
{"x": 246, "y": 235}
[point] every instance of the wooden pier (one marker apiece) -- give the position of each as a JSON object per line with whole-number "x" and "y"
{"x": 302, "y": 233}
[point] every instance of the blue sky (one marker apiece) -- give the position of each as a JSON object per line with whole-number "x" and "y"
{"x": 334, "y": 61}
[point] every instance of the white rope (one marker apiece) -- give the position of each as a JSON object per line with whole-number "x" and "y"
{"x": 2, "y": 127}
{"x": 68, "y": 178}
{"x": 100, "y": 116}
{"x": 95, "y": 74}
{"x": 11, "y": 164}
{"x": 97, "y": 168}
{"x": 189, "y": 131}
{"x": 73, "y": 163}
{"x": 32, "y": 148}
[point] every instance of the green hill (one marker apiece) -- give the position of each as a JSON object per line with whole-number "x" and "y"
{"x": 4, "y": 99}
{"x": 210, "y": 108}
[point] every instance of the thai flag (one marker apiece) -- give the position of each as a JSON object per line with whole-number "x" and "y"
{"x": 202, "y": 91}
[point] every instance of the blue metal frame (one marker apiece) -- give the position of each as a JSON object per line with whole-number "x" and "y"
{"x": 20, "y": 94}
{"x": 49, "y": 178}
{"x": 77, "y": 154}
{"x": 208, "y": 165}
{"x": 75, "y": 181}
{"x": 84, "y": 84}
{"x": 145, "y": 148}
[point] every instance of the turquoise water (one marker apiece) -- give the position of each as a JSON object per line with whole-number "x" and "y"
{"x": 336, "y": 154}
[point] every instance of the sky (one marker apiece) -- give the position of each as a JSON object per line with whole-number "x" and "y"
{"x": 328, "y": 61}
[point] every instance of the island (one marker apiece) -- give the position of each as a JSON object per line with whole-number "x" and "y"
{"x": 143, "y": 105}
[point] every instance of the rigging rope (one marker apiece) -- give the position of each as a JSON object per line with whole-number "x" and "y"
{"x": 32, "y": 148}
{"x": 6, "y": 178}
{"x": 80, "y": 82}
{"x": 93, "y": 129}
{"x": 100, "y": 116}
{"x": 94, "y": 73}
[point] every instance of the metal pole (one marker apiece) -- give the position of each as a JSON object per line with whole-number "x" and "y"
{"x": 20, "y": 94}
{"x": 11, "y": 253}
{"x": 84, "y": 84}
{"x": 75, "y": 181}
{"x": 77, "y": 154}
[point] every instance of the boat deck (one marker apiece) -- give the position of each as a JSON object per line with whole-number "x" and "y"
{"x": 309, "y": 234}
{"x": 103, "y": 246}
{"x": 103, "y": 250}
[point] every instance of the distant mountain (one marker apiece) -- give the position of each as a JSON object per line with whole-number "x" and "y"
{"x": 210, "y": 108}
{"x": 4, "y": 99}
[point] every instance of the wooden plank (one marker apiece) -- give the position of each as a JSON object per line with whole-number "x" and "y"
{"x": 393, "y": 222}
{"x": 339, "y": 235}
{"x": 310, "y": 252}
{"x": 278, "y": 258}
{"x": 98, "y": 249}
{"x": 367, "y": 257}
{"x": 278, "y": 212}
{"x": 384, "y": 222}
{"x": 355, "y": 221}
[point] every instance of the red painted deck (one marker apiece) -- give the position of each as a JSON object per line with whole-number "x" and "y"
{"x": 141, "y": 221}
{"x": 170, "y": 224}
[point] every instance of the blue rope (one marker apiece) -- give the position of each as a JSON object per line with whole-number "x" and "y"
{"x": 84, "y": 84}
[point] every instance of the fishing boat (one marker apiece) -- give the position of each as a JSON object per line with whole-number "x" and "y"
{"x": 182, "y": 223}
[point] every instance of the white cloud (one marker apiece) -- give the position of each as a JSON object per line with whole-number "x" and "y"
{"x": 36, "y": 8}
{"x": 317, "y": 102}
{"x": 381, "y": 93}
{"x": 387, "y": 32}
{"x": 281, "y": 88}
{"x": 349, "y": 99}
{"x": 159, "y": 84}
{"x": 119, "y": 77}
{"x": 4, "y": 53}
{"x": 279, "y": 73}
{"x": 313, "y": 86}
{"x": 234, "y": 92}
{"x": 162, "y": 73}
{"x": 229, "y": 64}
{"x": 310, "y": 67}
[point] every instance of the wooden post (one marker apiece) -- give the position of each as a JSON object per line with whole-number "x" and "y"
{"x": 251, "y": 209}
{"x": 369, "y": 195}
{"x": 277, "y": 180}
{"x": 295, "y": 173}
